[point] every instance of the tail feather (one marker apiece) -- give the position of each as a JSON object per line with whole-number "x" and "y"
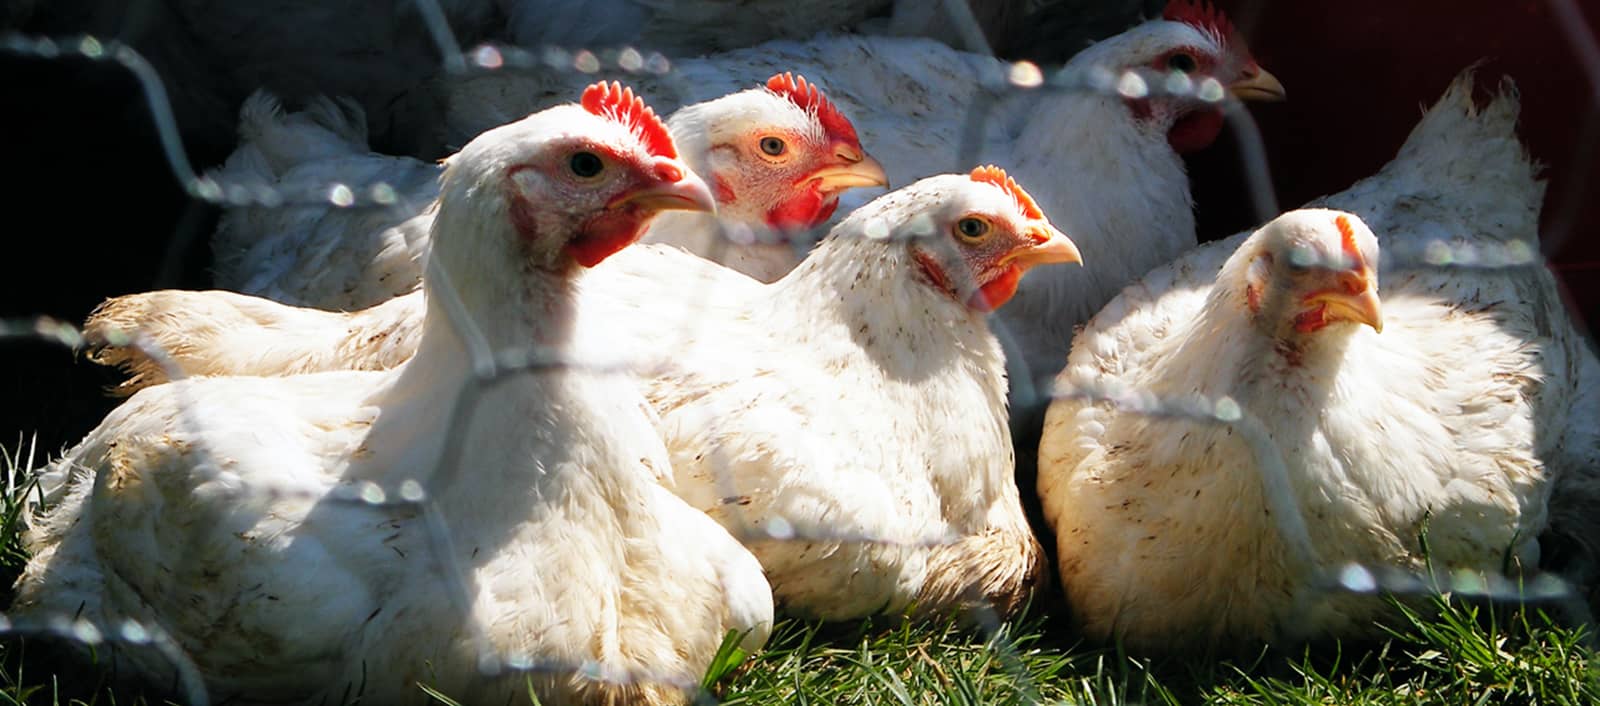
{"x": 326, "y": 128}
{"x": 1462, "y": 172}
{"x": 299, "y": 157}
{"x": 155, "y": 337}
{"x": 1456, "y": 135}
{"x": 1472, "y": 156}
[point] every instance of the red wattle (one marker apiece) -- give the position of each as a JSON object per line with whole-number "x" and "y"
{"x": 725, "y": 195}
{"x": 802, "y": 211}
{"x": 604, "y": 236}
{"x": 1195, "y": 131}
{"x": 997, "y": 291}
{"x": 1311, "y": 319}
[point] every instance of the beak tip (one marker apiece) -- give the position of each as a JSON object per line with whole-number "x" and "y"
{"x": 1260, "y": 86}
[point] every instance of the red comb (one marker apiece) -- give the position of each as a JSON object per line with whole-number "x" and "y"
{"x": 1201, "y": 14}
{"x": 1347, "y": 238}
{"x": 810, "y": 99}
{"x": 618, "y": 103}
{"x": 994, "y": 175}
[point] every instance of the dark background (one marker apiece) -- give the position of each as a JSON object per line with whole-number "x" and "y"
{"x": 91, "y": 209}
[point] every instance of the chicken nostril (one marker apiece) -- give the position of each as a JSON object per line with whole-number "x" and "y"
{"x": 1352, "y": 282}
{"x": 847, "y": 153}
{"x": 669, "y": 172}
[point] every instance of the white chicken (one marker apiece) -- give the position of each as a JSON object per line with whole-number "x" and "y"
{"x": 778, "y": 156}
{"x": 909, "y": 499}
{"x": 1103, "y": 165}
{"x": 760, "y": 196}
{"x": 310, "y": 538}
{"x": 848, "y": 421}
{"x": 1440, "y": 415}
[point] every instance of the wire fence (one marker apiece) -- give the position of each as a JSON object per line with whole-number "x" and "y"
{"x": 1020, "y": 80}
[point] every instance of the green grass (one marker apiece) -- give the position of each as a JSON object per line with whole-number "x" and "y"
{"x": 1461, "y": 656}
{"x": 1464, "y": 654}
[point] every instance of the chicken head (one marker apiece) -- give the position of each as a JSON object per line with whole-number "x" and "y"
{"x": 581, "y": 181}
{"x": 1309, "y": 269}
{"x": 1194, "y": 42}
{"x": 984, "y": 238}
{"x": 778, "y": 155}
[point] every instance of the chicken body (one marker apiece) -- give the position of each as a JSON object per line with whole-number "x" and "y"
{"x": 848, "y": 421}
{"x": 908, "y": 498}
{"x": 307, "y": 538}
{"x": 1448, "y": 425}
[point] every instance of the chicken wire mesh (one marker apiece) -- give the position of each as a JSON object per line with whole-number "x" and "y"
{"x": 1024, "y": 81}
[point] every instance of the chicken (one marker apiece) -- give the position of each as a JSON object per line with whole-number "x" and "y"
{"x": 347, "y": 258}
{"x": 778, "y": 159}
{"x": 296, "y": 253}
{"x": 908, "y": 500}
{"x": 761, "y": 198}
{"x": 848, "y": 421}
{"x": 308, "y": 538}
{"x": 1104, "y": 166}
{"x": 1433, "y": 413}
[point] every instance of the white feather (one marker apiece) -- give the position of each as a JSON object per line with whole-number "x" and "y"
{"x": 219, "y": 508}
{"x": 1445, "y": 423}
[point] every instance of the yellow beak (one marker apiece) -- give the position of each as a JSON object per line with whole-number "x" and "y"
{"x": 1362, "y": 307}
{"x": 859, "y": 169}
{"x": 1049, "y": 246}
{"x": 688, "y": 193}
{"x": 1258, "y": 85}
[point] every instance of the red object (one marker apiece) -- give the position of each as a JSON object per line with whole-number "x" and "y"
{"x": 809, "y": 98}
{"x": 614, "y": 101}
{"x": 1358, "y": 74}
{"x": 1200, "y": 13}
{"x": 994, "y": 175}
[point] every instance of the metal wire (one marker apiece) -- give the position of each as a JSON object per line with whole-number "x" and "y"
{"x": 490, "y": 366}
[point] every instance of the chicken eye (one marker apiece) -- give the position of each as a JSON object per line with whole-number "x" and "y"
{"x": 1181, "y": 62}
{"x": 972, "y": 228}
{"x": 1302, "y": 258}
{"x": 585, "y": 165}
{"x": 772, "y": 146}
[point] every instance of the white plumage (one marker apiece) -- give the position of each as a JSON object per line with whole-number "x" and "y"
{"x": 171, "y": 333}
{"x": 320, "y": 254}
{"x": 225, "y": 510}
{"x": 333, "y": 257}
{"x": 1105, "y": 168}
{"x": 340, "y": 258}
{"x": 850, "y": 399}
{"x": 848, "y": 421}
{"x": 1445, "y": 424}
